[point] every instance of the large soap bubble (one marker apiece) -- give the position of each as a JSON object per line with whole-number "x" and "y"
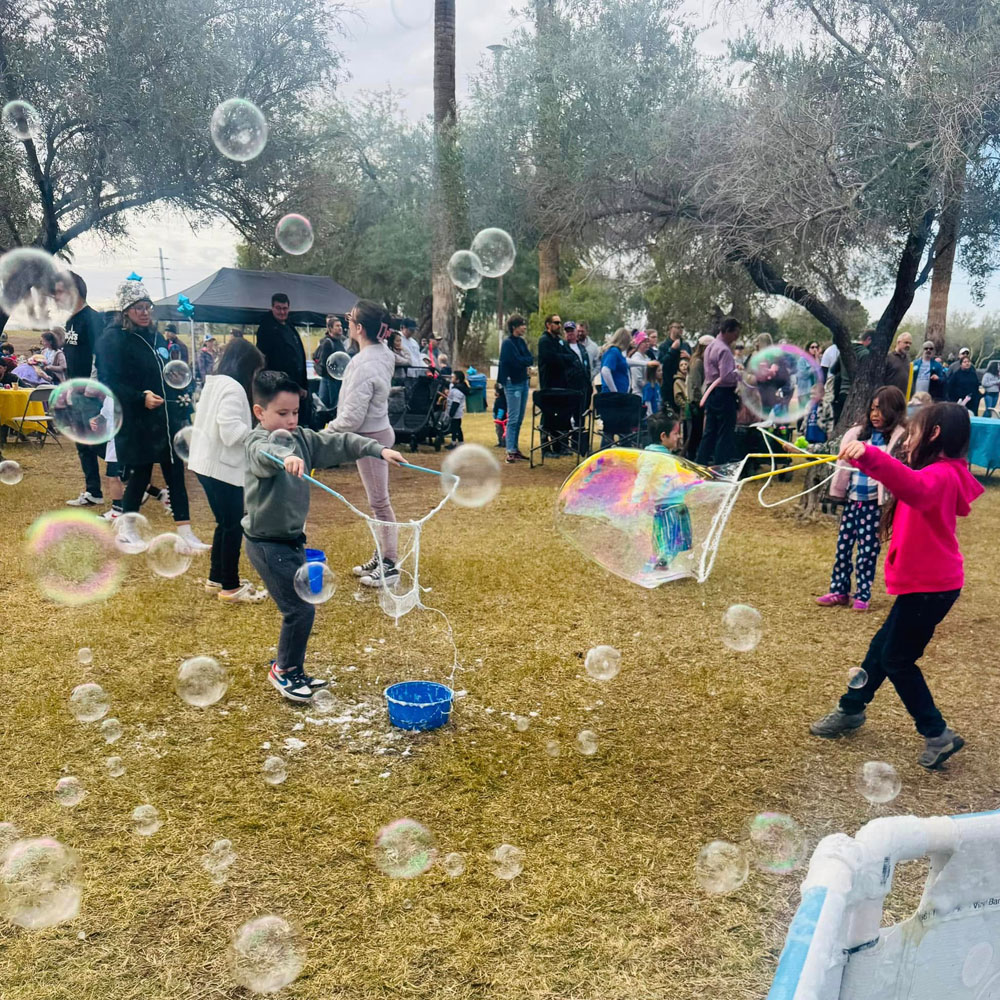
{"x": 315, "y": 582}
{"x": 146, "y": 820}
{"x": 465, "y": 269}
{"x": 89, "y": 702}
{"x": 721, "y": 867}
{"x": 742, "y": 628}
{"x": 878, "y": 782}
{"x": 294, "y": 234}
{"x": 337, "y": 364}
{"x": 39, "y": 883}
{"x": 73, "y": 556}
{"x": 36, "y": 289}
{"x": 78, "y": 410}
{"x": 21, "y": 120}
{"x": 168, "y": 555}
{"x": 239, "y": 129}
{"x": 404, "y": 849}
{"x": 647, "y": 516}
{"x": 275, "y": 770}
{"x": 495, "y": 250}
{"x": 603, "y": 663}
{"x": 477, "y": 472}
{"x": 177, "y": 374}
{"x": 777, "y": 842}
{"x": 266, "y": 954}
{"x": 202, "y": 681}
{"x": 182, "y": 443}
{"x": 507, "y": 862}
{"x": 10, "y": 473}
{"x": 780, "y": 382}
{"x": 133, "y": 533}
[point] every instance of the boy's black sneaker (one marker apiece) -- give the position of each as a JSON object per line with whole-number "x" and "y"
{"x": 293, "y": 685}
{"x": 385, "y": 576}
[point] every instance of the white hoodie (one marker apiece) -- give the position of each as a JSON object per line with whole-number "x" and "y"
{"x": 222, "y": 422}
{"x": 363, "y": 404}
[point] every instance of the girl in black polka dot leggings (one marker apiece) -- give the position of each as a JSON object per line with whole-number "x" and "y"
{"x": 863, "y": 498}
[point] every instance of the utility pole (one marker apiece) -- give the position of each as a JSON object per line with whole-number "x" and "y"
{"x": 163, "y": 273}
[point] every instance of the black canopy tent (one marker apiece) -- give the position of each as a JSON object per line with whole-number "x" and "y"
{"x": 232, "y": 295}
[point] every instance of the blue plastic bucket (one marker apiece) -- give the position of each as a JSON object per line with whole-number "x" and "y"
{"x": 316, "y": 558}
{"x": 418, "y": 704}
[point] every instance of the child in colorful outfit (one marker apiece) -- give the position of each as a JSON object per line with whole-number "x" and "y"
{"x": 671, "y": 517}
{"x": 277, "y": 503}
{"x": 923, "y": 569}
{"x": 859, "y": 524}
{"x": 455, "y": 402}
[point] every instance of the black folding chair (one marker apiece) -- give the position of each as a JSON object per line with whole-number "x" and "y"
{"x": 552, "y": 415}
{"x": 39, "y": 395}
{"x": 621, "y": 415}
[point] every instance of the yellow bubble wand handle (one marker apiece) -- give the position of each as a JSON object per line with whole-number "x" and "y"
{"x": 802, "y": 465}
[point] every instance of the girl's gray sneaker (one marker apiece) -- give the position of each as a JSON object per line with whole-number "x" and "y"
{"x": 837, "y": 723}
{"x": 937, "y": 749}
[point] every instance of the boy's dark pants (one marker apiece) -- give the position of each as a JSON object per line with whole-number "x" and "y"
{"x": 277, "y": 563}
{"x": 894, "y": 652}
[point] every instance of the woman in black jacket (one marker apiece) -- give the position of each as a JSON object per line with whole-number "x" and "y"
{"x": 133, "y": 369}
{"x": 963, "y": 385}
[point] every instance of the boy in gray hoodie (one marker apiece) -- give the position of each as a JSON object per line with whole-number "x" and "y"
{"x": 277, "y": 504}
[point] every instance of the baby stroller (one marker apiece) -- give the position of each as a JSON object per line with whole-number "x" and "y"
{"x": 416, "y": 423}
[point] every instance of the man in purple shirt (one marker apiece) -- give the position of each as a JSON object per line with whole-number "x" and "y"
{"x": 718, "y": 442}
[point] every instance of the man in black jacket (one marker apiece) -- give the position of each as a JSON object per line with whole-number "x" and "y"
{"x": 281, "y": 345}
{"x": 82, "y": 331}
{"x": 558, "y": 368}
{"x": 332, "y": 342}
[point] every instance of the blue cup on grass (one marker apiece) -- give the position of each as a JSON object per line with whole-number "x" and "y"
{"x": 418, "y": 705}
{"x": 316, "y": 558}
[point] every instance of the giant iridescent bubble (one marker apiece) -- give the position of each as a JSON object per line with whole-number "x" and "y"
{"x": 86, "y": 411}
{"x": 646, "y": 516}
{"x": 780, "y": 382}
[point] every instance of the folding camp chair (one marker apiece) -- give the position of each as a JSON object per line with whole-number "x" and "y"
{"x": 552, "y": 415}
{"x": 621, "y": 416}
{"x": 39, "y": 395}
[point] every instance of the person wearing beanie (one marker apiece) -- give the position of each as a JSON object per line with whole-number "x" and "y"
{"x": 133, "y": 369}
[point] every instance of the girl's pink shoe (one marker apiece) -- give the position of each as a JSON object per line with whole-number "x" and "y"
{"x": 860, "y": 605}
{"x": 829, "y": 600}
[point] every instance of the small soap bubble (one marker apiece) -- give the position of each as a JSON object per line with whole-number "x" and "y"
{"x": 73, "y": 556}
{"x": 239, "y": 129}
{"x": 742, "y": 628}
{"x": 777, "y": 842}
{"x": 857, "y": 677}
{"x": 495, "y": 250}
{"x": 266, "y": 954}
{"x": 477, "y": 472}
{"x": 36, "y": 290}
{"x": 202, "y": 681}
{"x": 294, "y": 234}
{"x": 182, "y": 443}
{"x": 89, "y": 702}
{"x": 21, "y": 120}
{"x": 114, "y": 766}
{"x": 465, "y": 269}
{"x": 177, "y": 374}
{"x": 85, "y": 411}
{"x": 314, "y": 582}
{"x": 146, "y": 820}
{"x": 521, "y": 723}
{"x": 275, "y": 770}
{"x": 878, "y": 782}
{"x": 133, "y": 533}
{"x": 69, "y": 791}
{"x": 323, "y": 701}
{"x": 281, "y": 443}
{"x": 412, "y": 14}
{"x": 453, "y": 864}
{"x": 218, "y": 859}
{"x": 111, "y": 730}
{"x": 337, "y": 364}
{"x": 552, "y": 748}
{"x": 721, "y": 867}
{"x": 404, "y": 849}
{"x": 507, "y": 862}
{"x": 39, "y": 883}
{"x": 586, "y": 742}
{"x": 168, "y": 555}
{"x": 603, "y": 663}
{"x": 85, "y": 656}
{"x": 10, "y": 473}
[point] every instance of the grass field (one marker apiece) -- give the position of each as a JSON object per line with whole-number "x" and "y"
{"x": 693, "y": 740}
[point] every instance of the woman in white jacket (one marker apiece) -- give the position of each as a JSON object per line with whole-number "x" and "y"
{"x": 363, "y": 407}
{"x": 221, "y": 425}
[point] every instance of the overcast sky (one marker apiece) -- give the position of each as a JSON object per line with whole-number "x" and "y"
{"x": 390, "y": 43}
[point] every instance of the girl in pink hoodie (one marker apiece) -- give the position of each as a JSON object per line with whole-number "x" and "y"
{"x": 923, "y": 568}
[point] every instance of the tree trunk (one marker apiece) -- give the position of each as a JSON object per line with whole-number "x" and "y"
{"x": 547, "y": 152}
{"x": 444, "y": 242}
{"x": 944, "y": 262}
{"x": 548, "y": 268}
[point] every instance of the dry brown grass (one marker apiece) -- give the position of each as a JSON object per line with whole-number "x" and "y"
{"x": 694, "y": 739}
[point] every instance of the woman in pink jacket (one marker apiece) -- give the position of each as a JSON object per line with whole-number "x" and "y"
{"x": 923, "y": 568}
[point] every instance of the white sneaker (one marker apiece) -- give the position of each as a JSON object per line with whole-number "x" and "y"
{"x": 365, "y": 569}
{"x": 111, "y": 514}
{"x": 86, "y": 499}
{"x": 193, "y": 541}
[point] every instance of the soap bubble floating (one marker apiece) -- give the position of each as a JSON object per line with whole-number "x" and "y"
{"x": 168, "y": 555}
{"x": 315, "y": 582}
{"x": 294, "y": 234}
{"x": 495, "y": 250}
{"x": 275, "y": 770}
{"x": 69, "y": 791}
{"x": 281, "y": 443}
{"x": 89, "y": 702}
{"x": 10, "y": 473}
{"x": 40, "y": 883}
{"x": 239, "y": 129}
{"x": 146, "y": 820}
{"x": 202, "y": 681}
{"x": 742, "y": 628}
{"x": 508, "y": 862}
{"x": 133, "y": 533}
{"x": 404, "y": 849}
{"x": 857, "y": 677}
{"x": 266, "y": 954}
{"x": 21, "y": 120}
{"x": 182, "y": 443}
{"x": 36, "y": 289}
{"x": 465, "y": 270}
{"x": 780, "y": 382}
{"x": 477, "y": 473}
{"x": 721, "y": 867}
{"x": 111, "y": 730}
{"x": 603, "y": 663}
{"x": 177, "y": 374}
{"x": 79, "y": 409}
{"x": 878, "y": 782}
{"x": 337, "y": 364}
{"x": 777, "y": 842}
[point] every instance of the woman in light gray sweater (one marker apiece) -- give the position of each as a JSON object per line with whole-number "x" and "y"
{"x": 363, "y": 407}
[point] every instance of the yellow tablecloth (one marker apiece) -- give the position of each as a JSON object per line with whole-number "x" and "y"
{"x": 12, "y": 403}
